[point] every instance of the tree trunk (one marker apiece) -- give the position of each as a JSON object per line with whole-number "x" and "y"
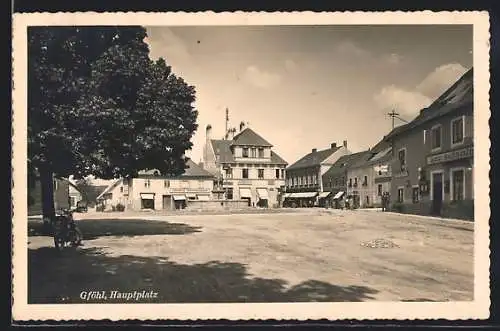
{"x": 47, "y": 185}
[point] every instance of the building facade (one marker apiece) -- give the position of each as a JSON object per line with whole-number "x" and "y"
{"x": 152, "y": 191}
{"x": 337, "y": 181}
{"x": 370, "y": 176}
{"x": 245, "y": 167}
{"x": 433, "y": 156}
{"x": 304, "y": 179}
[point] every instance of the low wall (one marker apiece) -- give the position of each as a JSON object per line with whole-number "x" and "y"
{"x": 450, "y": 209}
{"x": 217, "y": 204}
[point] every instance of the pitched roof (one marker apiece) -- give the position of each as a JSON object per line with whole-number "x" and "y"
{"x": 109, "y": 188}
{"x": 223, "y": 149}
{"x": 248, "y": 137}
{"x": 345, "y": 162}
{"x": 459, "y": 95}
{"x": 194, "y": 170}
{"x": 372, "y": 157}
{"x": 313, "y": 158}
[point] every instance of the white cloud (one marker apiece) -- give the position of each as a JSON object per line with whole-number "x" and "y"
{"x": 409, "y": 102}
{"x": 405, "y": 102}
{"x": 261, "y": 78}
{"x": 163, "y": 42}
{"x": 441, "y": 79}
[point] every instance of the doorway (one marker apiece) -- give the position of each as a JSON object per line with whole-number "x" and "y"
{"x": 437, "y": 193}
{"x": 167, "y": 202}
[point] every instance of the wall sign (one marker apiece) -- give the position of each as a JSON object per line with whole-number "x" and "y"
{"x": 451, "y": 156}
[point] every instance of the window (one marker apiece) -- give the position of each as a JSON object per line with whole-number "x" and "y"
{"x": 379, "y": 189}
{"x": 336, "y": 182}
{"x": 315, "y": 178}
{"x": 355, "y": 181}
{"x": 282, "y": 173}
{"x": 244, "y": 173}
{"x": 436, "y": 137}
{"x": 245, "y": 152}
{"x": 254, "y": 152}
{"x": 261, "y": 173}
{"x": 365, "y": 181}
{"x": 402, "y": 157}
{"x": 277, "y": 173}
{"x": 121, "y": 189}
{"x": 307, "y": 180}
{"x": 425, "y": 135}
{"x": 147, "y": 183}
{"x": 350, "y": 182}
{"x": 156, "y": 173}
{"x": 229, "y": 193}
{"x": 166, "y": 183}
{"x": 457, "y": 131}
{"x": 261, "y": 153}
{"x": 414, "y": 195}
{"x": 293, "y": 181}
{"x": 55, "y": 185}
{"x": 367, "y": 200}
{"x": 229, "y": 173}
{"x": 401, "y": 194}
{"x": 458, "y": 185}
{"x": 330, "y": 182}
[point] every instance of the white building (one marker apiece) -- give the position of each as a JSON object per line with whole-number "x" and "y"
{"x": 246, "y": 167}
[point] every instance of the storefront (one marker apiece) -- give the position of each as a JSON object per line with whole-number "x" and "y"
{"x": 302, "y": 199}
{"x": 448, "y": 177}
{"x": 263, "y": 196}
{"x": 147, "y": 201}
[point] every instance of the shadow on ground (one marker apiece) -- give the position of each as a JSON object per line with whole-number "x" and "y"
{"x": 95, "y": 228}
{"x": 60, "y": 278}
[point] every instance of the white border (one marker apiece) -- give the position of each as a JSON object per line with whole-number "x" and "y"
{"x": 477, "y": 309}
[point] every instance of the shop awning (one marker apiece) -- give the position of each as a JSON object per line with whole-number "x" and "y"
{"x": 262, "y": 193}
{"x": 203, "y": 197}
{"x": 287, "y": 195}
{"x": 304, "y": 195}
{"x": 179, "y": 197}
{"x": 148, "y": 196}
{"x": 338, "y": 195}
{"x": 323, "y": 195}
{"x": 191, "y": 195}
{"x": 245, "y": 193}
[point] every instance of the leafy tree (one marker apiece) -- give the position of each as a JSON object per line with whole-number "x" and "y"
{"x": 98, "y": 105}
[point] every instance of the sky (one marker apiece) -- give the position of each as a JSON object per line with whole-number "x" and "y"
{"x": 304, "y": 87}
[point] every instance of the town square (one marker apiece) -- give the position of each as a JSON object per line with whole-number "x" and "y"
{"x": 252, "y": 164}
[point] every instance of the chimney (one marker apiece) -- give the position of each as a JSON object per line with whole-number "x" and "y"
{"x": 333, "y": 145}
{"x": 242, "y": 126}
{"x": 345, "y": 143}
{"x": 314, "y": 150}
{"x": 208, "y": 132}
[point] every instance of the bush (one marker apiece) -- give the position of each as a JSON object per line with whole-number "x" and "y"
{"x": 120, "y": 207}
{"x": 99, "y": 207}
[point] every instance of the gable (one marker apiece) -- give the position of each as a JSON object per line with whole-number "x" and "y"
{"x": 248, "y": 137}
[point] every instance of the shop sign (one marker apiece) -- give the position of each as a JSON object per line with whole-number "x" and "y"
{"x": 451, "y": 156}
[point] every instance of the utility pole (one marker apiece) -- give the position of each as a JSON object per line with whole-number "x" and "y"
{"x": 393, "y": 114}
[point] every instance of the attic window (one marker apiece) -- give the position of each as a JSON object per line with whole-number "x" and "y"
{"x": 156, "y": 173}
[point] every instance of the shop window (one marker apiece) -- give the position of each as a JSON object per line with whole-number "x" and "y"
{"x": 458, "y": 185}
{"x": 415, "y": 193}
{"x": 457, "y": 131}
{"x": 436, "y": 137}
